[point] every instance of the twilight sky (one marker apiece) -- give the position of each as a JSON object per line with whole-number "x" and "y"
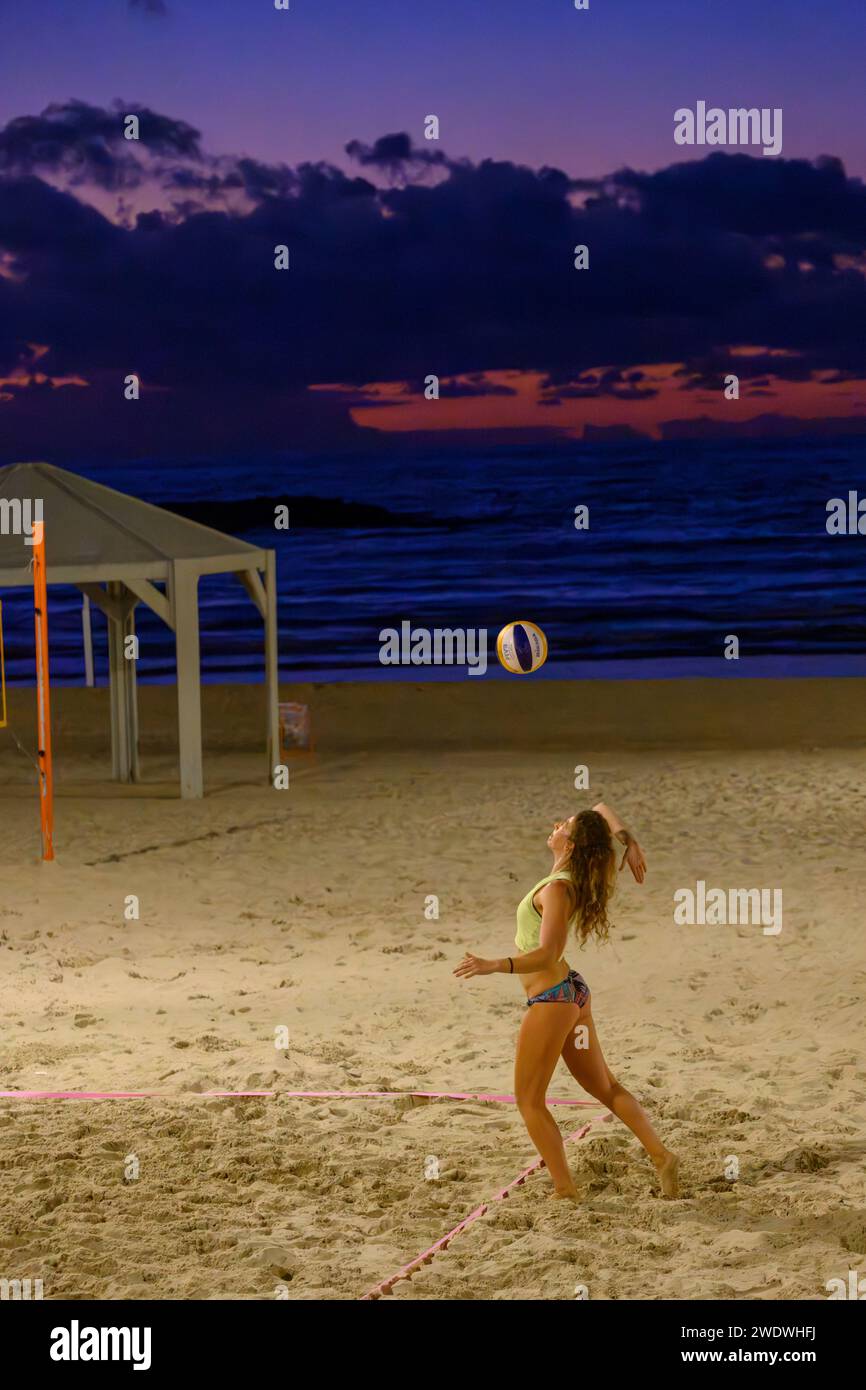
{"x": 700, "y": 263}
{"x": 533, "y": 81}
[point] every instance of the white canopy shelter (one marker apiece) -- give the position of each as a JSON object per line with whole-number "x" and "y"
{"x": 120, "y": 551}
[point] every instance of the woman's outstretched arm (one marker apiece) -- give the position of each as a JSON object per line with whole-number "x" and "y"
{"x": 556, "y": 909}
{"x": 634, "y": 855}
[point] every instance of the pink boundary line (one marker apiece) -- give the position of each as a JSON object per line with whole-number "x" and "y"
{"x": 294, "y": 1095}
{"x": 76, "y": 1095}
{"x": 406, "y": 1272}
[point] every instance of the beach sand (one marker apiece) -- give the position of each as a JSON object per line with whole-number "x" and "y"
{"x": 305, "y": 910}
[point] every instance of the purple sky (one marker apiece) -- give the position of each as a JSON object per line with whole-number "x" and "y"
{"x": 531, "y": 81}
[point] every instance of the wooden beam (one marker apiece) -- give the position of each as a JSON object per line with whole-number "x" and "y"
{"x": 272, "y": 663}
{"x": 120, "y": 744}
{"x": 87, "y": 634}
{"x": 115, "y": 604}
{"x": 149, "y": 594}
{"x": 184, "y": 606}
{"x": 131, "y": 694}
{"x": 254, "y": 587}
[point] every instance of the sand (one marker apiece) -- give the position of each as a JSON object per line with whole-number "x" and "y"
{"x": 305, "y": 910}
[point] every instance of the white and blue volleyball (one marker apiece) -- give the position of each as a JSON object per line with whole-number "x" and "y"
{"x": 521, "y": 648}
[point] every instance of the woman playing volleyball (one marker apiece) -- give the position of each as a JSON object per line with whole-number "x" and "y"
{"x": 576, "y": 891}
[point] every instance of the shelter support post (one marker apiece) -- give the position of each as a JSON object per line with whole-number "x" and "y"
{"x": 131, "y": 691}
{"x": 272, "y": 665}
{"x": 117, "y": 691}
{"x": 123, "y": 686}
{"x": 184, "y": 603}
{"x": 87, "y": 634}
{"x": 43, "y": 695}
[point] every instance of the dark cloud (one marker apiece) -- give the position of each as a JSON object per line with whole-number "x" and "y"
{"x": 622, "y": 386}
{"x": 473, "y": 385}
{"x": 469, "y": 387}
{"x": 396, "y": 155}
{"x": 459, "y": 275}
{"x": 87, "y": 143}
{"x": 738, "y": 193}
{"x": 708, "y": 372}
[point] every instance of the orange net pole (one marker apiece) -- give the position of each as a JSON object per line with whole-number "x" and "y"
{"x": 2, "y": 674}
{"x": 43, "y": 692}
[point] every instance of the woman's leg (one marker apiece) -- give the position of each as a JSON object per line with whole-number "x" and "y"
{"x": 543, "y": 1032}
{"x": 588, "y": 1067}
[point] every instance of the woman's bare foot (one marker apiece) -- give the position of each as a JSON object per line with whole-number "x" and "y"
{"x": 667, "y": 1166}
{"x": 569, "y": 1194}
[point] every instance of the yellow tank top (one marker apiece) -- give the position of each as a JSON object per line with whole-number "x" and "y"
{"x": 528, "y": 919}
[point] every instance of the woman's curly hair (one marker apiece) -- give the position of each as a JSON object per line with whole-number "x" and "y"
{"x": 592, "y": 866}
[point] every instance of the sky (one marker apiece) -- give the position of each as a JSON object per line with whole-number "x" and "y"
{"x": 413, "y": 257}
{"x": 532, "y": 81}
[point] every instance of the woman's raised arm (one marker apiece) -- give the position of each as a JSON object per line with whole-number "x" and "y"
{"x": 634, "y": 855}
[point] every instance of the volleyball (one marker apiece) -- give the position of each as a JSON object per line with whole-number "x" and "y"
{"x": 521, "y": 648}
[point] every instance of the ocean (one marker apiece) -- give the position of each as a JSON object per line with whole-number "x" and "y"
{"x": 687, "y": 544}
